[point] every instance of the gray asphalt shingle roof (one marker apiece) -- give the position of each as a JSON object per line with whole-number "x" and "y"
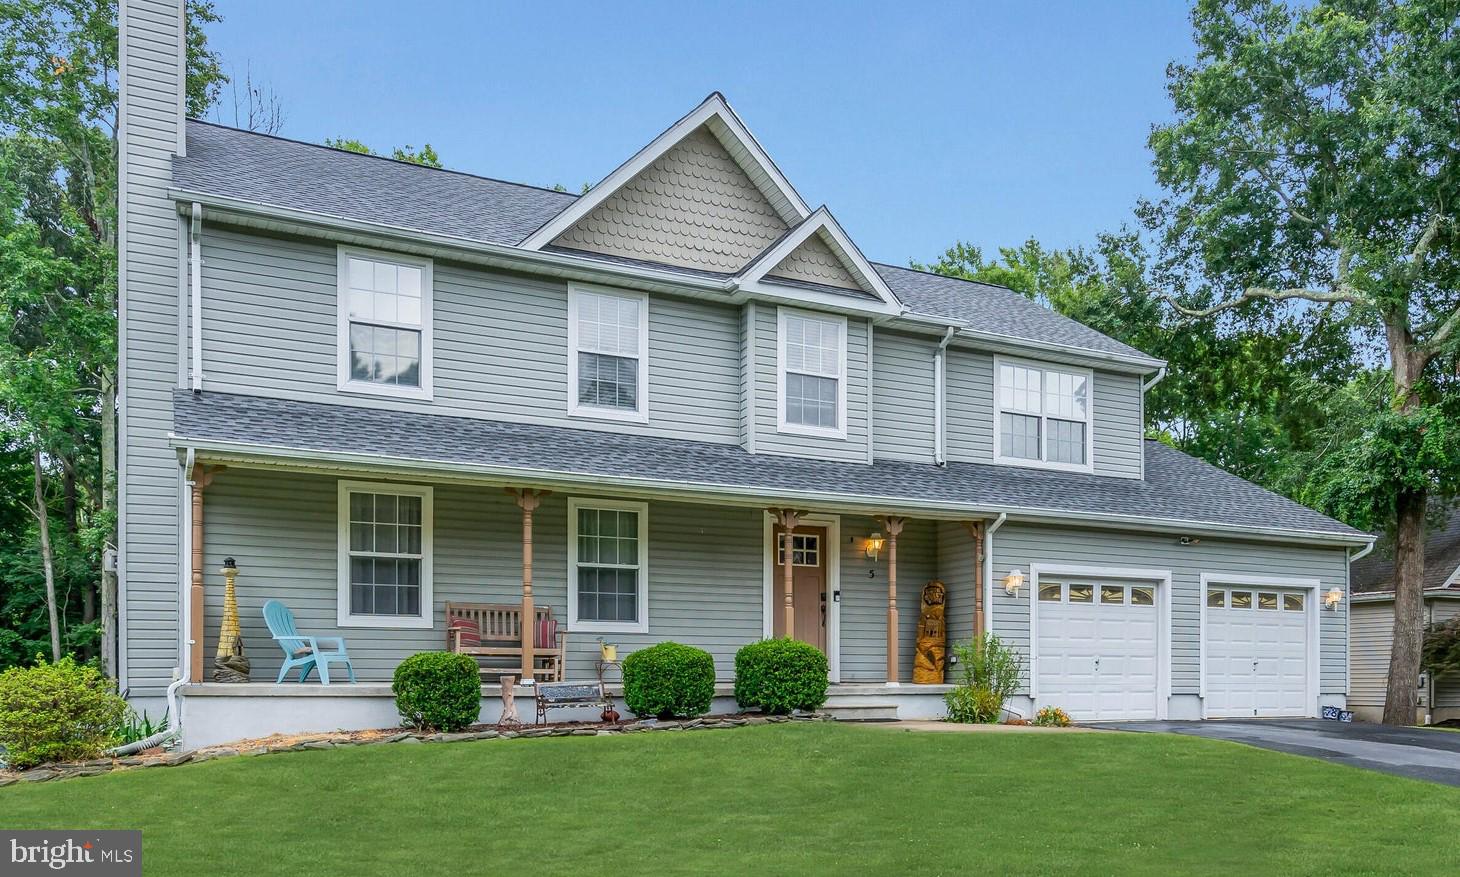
{"x": 286, "y": 173}
{"x": 1375, "y": 573}
{"x": 1177, "y": 487}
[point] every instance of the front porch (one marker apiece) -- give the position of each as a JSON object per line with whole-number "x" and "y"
{"x": 219, "y": 713}
{"x": 697, "y": 573}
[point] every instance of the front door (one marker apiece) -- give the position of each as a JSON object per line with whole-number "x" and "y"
{"x": 808, "y": 590}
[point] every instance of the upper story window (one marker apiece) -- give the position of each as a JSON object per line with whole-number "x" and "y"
{"x": 812, "y": 354}
{"x": 608, "y": 353}
{"x": 384, "y": 555}
{"x": 384, "y": 324}
{"x": 1044, "y": 416}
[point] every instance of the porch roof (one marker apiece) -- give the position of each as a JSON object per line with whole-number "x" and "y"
{"x": 1179, "y": 493}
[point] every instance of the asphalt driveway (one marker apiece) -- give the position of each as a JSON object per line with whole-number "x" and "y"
{"x": 1426, "y": 754}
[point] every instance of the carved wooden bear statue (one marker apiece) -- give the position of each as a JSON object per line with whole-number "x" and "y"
{"x": 932, "y": 650}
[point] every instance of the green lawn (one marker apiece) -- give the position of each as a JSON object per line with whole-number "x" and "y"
{"x": 809, "y": 798}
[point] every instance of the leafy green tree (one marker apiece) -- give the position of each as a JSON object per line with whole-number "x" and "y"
{"x": 1313, "y": 160}
{"x": 58, "y": 212}
{"x": 424, "y": 156}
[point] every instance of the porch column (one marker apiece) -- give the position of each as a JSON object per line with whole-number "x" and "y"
{"x": 893, "y": 526}
{"x": 528, "y": 499}
{"x": 199, "y": 478}
{"x": 975, "y": 529}
{"x": 788, "y": 519}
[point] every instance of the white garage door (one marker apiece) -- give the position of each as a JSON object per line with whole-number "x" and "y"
{"x": 1097, "y": 654}
{"x": 1256, "y": 652}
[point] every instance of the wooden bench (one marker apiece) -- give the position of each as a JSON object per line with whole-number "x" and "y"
{"x": 500, "y": 625}
{"x": 561, "y": 695}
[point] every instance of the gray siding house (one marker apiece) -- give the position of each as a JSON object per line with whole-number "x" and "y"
{"x": 368, "y": 381}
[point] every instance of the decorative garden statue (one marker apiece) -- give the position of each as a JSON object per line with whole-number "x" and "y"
{"x": 932, "y": 636}
{"x": 230, "y": 665}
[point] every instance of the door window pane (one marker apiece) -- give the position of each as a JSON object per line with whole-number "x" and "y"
{"x": 1241, "y": 599}
{"x": 1267, "y": 601}
{"x": 1293, "y": 602}
{"x": 1142, "y": 597}
{"x": 1112, "y": 594}
{"x": 1050, "y": 593}
{"x": 1217, "y": 599}
{"x": 1082, "y": 593}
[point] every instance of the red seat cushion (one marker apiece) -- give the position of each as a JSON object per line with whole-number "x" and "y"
{"x": 470, "y": 635}
{"x": 547, "y": 633}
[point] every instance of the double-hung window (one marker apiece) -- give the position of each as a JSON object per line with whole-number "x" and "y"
{"x": 384, "y": 324}
{"x": 608, "y": 338}
{"x": 608, "y": 551}
{"x": 1043, "y": 416}
{"x": 812, "y": 373}
{"x": 384, "y": 555}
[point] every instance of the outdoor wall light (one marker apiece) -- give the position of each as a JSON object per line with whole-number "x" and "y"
{"x": 1013, "y": 582}
{"x": 873, "y": 545}
{"x": 1332, "y": 599}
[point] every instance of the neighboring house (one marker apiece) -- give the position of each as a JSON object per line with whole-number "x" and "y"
{"x": 355, "y": 376}
{"x": 1371, "y": 627}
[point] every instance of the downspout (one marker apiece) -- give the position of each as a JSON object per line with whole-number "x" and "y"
{"x": 988, "y": 583}
{"x": 195, "y": 260}
{"x": 1160, "y": 373}
{"x": 940, "y": 417}
{"x": 174, "y": 716}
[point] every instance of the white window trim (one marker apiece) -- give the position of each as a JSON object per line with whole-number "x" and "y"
{"x": 840, "y": 432}
{"x": 574, "y": 622}
{"x": 1042, "y": 462}
{"x": 342, "y": 339}
{"x": 577, "y": 409}
{"x": 342, "y": 597}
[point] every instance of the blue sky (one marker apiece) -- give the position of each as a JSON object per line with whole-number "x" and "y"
{"x": 917, "y": 123}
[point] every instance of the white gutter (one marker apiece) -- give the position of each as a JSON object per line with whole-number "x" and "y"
{"x": 516, "y": 258}
{"x": 988, "y": 570}
{"x": 195, "y": 258}
{"x": 940, "y": 416}
{"x": 1160, "y": 373}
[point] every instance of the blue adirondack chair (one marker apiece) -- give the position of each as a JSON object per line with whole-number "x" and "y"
{"x": 303, "y": 651}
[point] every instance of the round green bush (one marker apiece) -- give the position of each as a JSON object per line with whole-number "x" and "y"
{"x": 437, "y": 691}
{"x": 669, "y": 680}
{"x": 57, "y": 712}
{"x": 780, "y": 675}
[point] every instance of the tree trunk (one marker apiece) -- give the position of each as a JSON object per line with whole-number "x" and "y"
{"x": 1401, "y": 692}
{"x": 1400, "y": 695}
{"x": 109, "y": 653}
{"x": 47, "y": 559}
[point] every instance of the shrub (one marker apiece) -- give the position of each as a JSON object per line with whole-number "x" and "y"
{"x": 57, "y": 712}
{"x": 669, "y": 680}
{"x": 989, "y": 675}
{"x": 1052, "y": 717}
{"x": 780, "y": 675}
{"x": 437, "y": 691}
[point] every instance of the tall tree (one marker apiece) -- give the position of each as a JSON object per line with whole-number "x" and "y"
{"x": 58, "y": 145}
{"x": 1315, "y": 159}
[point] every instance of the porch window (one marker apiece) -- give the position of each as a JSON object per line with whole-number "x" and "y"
{"x": 384, "y": 324}
{"x": 608, "y": 559}
{"x": 384, "y": 555}
{"x": 608, "y": 336}
{"x": 1044, "y": 416}
{"x": 813, "y": 365}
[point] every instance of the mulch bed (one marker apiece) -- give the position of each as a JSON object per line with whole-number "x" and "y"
{"x": 158, "y": 757}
